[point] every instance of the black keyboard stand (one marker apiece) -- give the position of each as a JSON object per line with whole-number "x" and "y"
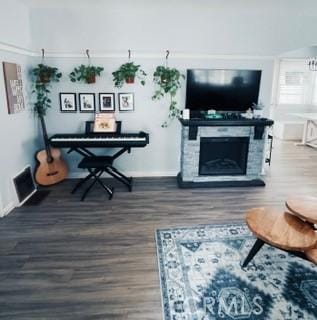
{"x": 110, "y": 169}
{"x": 95, "y": 174}
{"x": 96, "y": 164}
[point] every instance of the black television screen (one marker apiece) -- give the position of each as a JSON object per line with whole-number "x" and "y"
{"x": 222, "y": 90}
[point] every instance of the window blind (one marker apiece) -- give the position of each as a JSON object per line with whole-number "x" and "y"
{"x": 293, "y": 83}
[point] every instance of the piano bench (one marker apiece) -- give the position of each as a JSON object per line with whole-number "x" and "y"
{"x": 96, "y": 165}
{"x": 95, "y": 162}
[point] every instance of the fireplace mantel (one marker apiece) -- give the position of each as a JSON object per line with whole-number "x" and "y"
{"x": 258, "y": 124}
{"x": 195, "y": 129}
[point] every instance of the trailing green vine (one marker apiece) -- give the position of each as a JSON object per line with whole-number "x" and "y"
{"x": 168, "y": 81}
{"x": 43, "y": 75}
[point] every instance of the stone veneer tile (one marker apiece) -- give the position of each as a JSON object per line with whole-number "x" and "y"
{"x": 190, "y": 153}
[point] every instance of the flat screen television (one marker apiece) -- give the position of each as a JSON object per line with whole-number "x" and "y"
{"x": 222, "y": 90}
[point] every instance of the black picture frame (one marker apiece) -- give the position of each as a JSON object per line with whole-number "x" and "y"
{"x": 107, "y": 102}
{"x": 91, "y": 101}
{"x": 126, "y": 98}
{"x": 69, "y": 105}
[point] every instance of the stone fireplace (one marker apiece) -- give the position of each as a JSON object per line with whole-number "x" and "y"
{"x": 214, "y": 155}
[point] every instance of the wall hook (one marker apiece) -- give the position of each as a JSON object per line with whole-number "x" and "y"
{"x": 88, "y": 56}
{"x": 166, "y": 57}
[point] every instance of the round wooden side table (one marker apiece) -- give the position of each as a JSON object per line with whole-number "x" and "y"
{"x": 279, "y": 229}
{"x": 304, "y": 207}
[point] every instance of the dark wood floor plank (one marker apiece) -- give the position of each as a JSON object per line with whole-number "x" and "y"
{"x": 65, "y": 259}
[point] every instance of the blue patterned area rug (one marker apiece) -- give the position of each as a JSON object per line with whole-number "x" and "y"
{"x": 201, "y": 277}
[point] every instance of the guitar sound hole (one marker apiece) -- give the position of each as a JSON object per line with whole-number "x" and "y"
{"x": 52, "y": 173}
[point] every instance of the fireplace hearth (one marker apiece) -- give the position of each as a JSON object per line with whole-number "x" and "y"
{"x": 223, "y": 156}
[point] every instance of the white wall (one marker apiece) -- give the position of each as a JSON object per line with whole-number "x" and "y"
{"x": 17, "y": 131}
{"x": 161, "y": 156}
{"x": 191, "y": 27}
{"x": 302, "y": 53}
{"x": 253, "y": 27}
{"x": 14, "y": 23}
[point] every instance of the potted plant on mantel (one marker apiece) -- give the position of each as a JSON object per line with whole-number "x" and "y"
{"x": 127, "y": 73}
{"x": 168, "y": 81}
{"x": 86, "y": 73}
{"x": 258, "y": 109}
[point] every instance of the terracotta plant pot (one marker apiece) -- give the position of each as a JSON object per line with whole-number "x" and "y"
{"x": 44, "y": 78}
{"x": 129, "y": 80}
{"x": 91, "y": 79}
{"x": 163, "y": 79}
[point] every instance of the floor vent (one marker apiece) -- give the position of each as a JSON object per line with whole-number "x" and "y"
{"x": 24, "y": 185}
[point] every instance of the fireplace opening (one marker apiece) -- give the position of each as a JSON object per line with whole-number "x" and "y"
{"x": 223, "y": 156}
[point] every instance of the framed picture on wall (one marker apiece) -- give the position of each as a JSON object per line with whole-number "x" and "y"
{"x": 126, "y": 101}
{"x": 67, "y": 102}
{"x": 106, "y": 102}
{"x": 87, "y": 102}
{"x": 14, "y": 89}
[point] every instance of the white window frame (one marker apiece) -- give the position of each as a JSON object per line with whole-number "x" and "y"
{"x": 308, "y": 87}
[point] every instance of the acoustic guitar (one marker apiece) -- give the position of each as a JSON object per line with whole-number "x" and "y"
{"x": 50, "y": 168}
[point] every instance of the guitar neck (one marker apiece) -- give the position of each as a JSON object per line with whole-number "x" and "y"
{"x": 46, "y": 140}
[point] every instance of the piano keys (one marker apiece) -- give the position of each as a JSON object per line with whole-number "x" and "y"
{"x": 100, "y": 140}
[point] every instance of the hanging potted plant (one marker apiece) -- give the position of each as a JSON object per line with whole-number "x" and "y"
{"x": 45, "y": 74}
{"x": 127, "y": 74}
{"x": 168, "y": 81}
{"x": 86, "y": 73}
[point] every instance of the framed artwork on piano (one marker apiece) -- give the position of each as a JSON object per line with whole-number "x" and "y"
{"x": 106, "y": 102}
{"x": 87, "y": 102}
{"x": 67, "y": 102}
{"x": 126, "y": 102}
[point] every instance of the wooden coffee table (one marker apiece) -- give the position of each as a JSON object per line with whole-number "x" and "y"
{"x": 282, "y": 230}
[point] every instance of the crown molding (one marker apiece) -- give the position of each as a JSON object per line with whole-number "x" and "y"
{"x": 17, "y": 50}
{"x": 118, "y": 55}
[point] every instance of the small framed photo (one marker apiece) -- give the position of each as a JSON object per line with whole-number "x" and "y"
{"x": 87, "y": 102}
{"x": 106, "y": 102}
{"x": 105, "y": 122}
{"x": 126, "y": 101}
{"x": 67, "y": 102}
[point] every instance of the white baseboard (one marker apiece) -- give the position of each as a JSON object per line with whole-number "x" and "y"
{"x": 137, "y": 174}
{"x": 5, "y": 211}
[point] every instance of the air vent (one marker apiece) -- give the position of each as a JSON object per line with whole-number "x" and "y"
{"x": 24, "y": 185}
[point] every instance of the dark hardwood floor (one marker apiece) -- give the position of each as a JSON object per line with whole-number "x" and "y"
{"x": 65, "y": 259}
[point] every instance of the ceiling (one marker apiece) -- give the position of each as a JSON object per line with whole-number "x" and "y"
{"x": 282, "y": 7}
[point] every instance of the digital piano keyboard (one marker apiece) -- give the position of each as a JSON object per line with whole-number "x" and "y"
{"x": 100, "y": 140}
